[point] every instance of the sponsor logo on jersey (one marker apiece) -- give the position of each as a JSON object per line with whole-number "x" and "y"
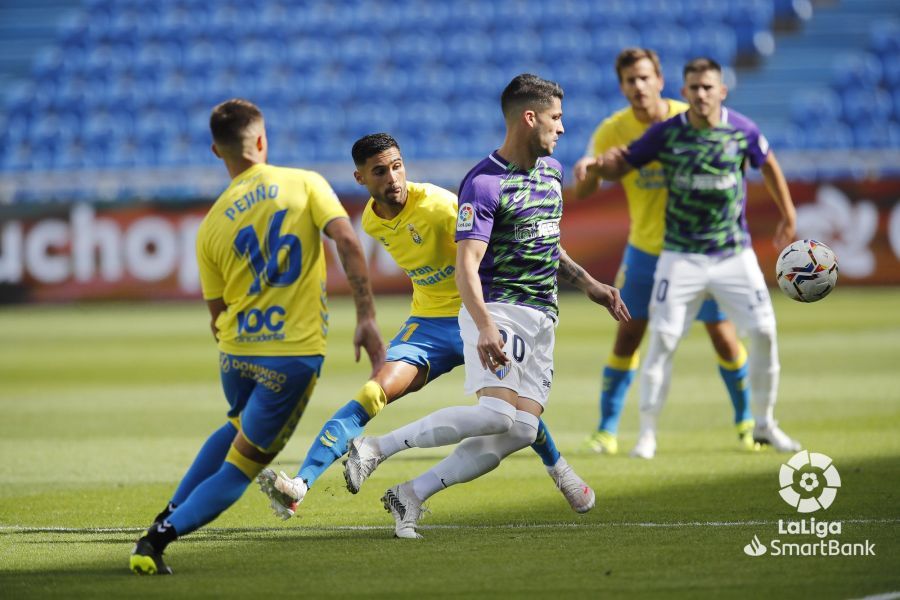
{"x": 466, "y": 218}
{"x": 539, "y": 229}
{"x": 705, "y": 183}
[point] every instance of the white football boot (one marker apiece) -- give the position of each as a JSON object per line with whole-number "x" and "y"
{"x": 284, "y": 492}
{"x": 646, "y": 445}
{"x": 362, "y": 459}
{"x": 406, "y": 510}
{"x": 578, "y": 493}
{"x": 772, "y": 435}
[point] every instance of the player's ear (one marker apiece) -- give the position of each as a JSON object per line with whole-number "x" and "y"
{"x": 684, "y": 92}
{"x": 530, "y": 117}
{"x": 358, "y": 177}
{"x": 724, "y": 91}
{"x": 260, "y": 142}
{"x": 215, "y": 150}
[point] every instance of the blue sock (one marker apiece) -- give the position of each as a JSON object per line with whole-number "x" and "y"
{"x": 209, "y": 499}
{"x": 208, "y": 461}
{"x": 333, "y": 440}
{"x": 545, "y": 446}
{"x": 739, "y": 391}
{"x": 612, "y": 398}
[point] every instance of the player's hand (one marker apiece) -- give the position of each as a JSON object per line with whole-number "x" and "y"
{"x": 368, "y": 337}
{"x": 581, "y": 167}
{"x": 785, "y": 233}
{"x": 609, "y": 296}
{"x": 490, "y": 348}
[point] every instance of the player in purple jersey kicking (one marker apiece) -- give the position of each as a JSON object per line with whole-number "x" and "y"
{"x": 706, "y": 249}
{"x": 507, "y": 263}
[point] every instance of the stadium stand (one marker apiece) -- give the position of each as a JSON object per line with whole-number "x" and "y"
{"x": 120, "y": 90}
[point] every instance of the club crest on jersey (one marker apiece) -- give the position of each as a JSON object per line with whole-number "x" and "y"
{"x": 466, "y": 218}
{"x": 415, "y": 234}
{"x": 502, "y": 371}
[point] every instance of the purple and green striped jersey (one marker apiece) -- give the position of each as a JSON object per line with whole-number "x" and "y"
{"x": 704, "y": 169}
{"x": 517, "y": 214}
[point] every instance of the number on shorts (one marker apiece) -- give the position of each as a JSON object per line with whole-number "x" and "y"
{"x": 661, "y": 290}
{"x": 518, "y": 345}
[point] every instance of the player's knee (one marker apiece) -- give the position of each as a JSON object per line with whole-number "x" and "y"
{"x": 372, "y": 398}
{"x": 248, "y": 466}
{"x": 498, "y": 415}
{"x": 524, "y": 430}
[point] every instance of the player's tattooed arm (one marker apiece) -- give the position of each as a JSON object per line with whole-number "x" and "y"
{"x": 353, "y": 260}
{"x": 604, "y": 295}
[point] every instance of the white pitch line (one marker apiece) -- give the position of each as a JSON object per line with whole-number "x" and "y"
{"x": 673, "y": 525}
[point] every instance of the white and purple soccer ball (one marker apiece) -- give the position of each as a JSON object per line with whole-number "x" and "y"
{"x": 806, "y": 270}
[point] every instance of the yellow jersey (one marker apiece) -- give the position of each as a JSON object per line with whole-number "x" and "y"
{"x": 259, "y": 248}
{"x": 645, "y": 188}
{"x": 421, "y": 239}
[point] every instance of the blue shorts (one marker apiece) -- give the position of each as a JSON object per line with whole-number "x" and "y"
{"x": 635, "y": 282}
{"x": 268, "y": 394}
{"x": 430, "y": 342}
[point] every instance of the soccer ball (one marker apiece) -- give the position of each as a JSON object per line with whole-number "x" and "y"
{"x": 806, "y": 270}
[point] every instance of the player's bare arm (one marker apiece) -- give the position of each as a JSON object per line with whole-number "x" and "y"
{"x": 587, "y": 179}
{"x": 604, "y": 295}
{"x": 777, "y": 187}
{"x": 351, "y": 256}
{"x": 490, "y": 345}
{"x": 216, "y": 307}
{"x": 612, "y": 165}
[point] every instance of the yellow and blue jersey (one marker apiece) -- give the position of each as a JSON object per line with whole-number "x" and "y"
{"x": 421, "y": 241}
{"x": 259, "y": 248}
{"x": 645, "y": 188}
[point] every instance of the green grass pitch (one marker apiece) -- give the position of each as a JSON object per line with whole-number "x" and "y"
{"x": 102, "y": 408}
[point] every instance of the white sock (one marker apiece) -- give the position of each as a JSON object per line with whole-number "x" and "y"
{"x": 763, "y": 371}
{"x": 656, "y": 375}
{"x": 450, "y": 426}
{"x": 476, "y": 456}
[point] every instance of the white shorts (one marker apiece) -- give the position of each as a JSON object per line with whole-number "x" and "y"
{"x": 682, "y": 282}
{"x": 529, "y": 337}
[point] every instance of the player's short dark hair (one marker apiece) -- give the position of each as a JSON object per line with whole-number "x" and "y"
{"x": 229, "y": 120}
{"x": 629, "y": 56}
{"x": 368, "y": 146}
{"x": 701, "y": 65}
{"x": 530, "y": 90}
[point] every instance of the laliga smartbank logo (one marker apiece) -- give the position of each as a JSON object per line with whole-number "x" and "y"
{"x": 809, "y": 482}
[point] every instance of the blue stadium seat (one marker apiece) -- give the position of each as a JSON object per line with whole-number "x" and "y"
{"x": 816, "y": 104}
{"x": 866, "y": 104}
{"x": 877, "y": 135}
{"x": 891, "y": 71}
{"x": 885, "y": 38}
{"x": 786, "y": 137}
{"x": 611, "y": 42}
{"x": 718, "y": 42}
{"x": 855, "y": 70}
{"x": 669, "y": 41}
{"x": 828, "y": 135}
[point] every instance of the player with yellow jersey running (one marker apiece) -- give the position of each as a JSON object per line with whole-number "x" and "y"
{"x": 641, "y": 82}
{"x": 262, "y": 273}
{"x": 416, "y": 224}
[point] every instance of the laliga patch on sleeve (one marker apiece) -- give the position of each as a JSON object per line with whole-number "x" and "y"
{"x": 466, "y": 217}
